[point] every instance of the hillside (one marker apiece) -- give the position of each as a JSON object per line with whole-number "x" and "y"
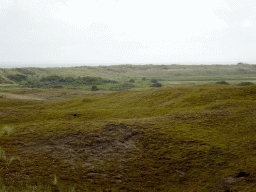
{"x": 183, "y": 138}
{"x": 166, "y": 74}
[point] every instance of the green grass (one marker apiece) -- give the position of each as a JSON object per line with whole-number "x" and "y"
{"x": 181, "y": 138}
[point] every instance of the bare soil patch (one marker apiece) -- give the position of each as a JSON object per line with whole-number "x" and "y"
{"x": 113, "y": 143}
{"x": 16, "y": 96}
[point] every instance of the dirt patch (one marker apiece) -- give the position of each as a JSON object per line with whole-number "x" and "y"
{"x": 113, "y": 143}
{"x": 225, "y": 183}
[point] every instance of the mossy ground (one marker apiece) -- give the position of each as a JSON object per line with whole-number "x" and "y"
{"x": 188, "y": 138}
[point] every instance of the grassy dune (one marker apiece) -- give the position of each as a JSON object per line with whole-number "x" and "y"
{"x": 186, "y": 138}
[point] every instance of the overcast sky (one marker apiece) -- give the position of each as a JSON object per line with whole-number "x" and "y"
{"x": 93, "y": 32}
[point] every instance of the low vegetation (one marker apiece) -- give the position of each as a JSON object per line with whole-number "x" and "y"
{"x": 55, "y": 81}
{"x": 182, "y": 138}
{"x": 245, "y": 84}
{"x": 222, "y": 82}
{"x": 124, "y": 77}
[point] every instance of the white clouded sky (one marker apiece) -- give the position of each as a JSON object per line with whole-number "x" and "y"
{"x": 127, "y": 31}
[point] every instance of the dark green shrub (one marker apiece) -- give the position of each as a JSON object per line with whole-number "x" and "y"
{"x": 17, "y": 77}
{"x": 70, "y": 79}
{"x": 132, "y": 81}
{"x": 55, "y": 78}
{"x": 245, "y": 84}
{"x": 222, "y": 82}
{"x": 154, "y": 81}
{"x": 91, "y": 80}
{"x": 157, "y": 84}
{"x": 143, "y": 79}
{"x": 95, "y": 88}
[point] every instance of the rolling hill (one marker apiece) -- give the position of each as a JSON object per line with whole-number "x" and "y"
{"x": 182, "y": 138}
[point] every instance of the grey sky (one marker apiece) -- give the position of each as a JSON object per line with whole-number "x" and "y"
{"x": 127, "y": 31}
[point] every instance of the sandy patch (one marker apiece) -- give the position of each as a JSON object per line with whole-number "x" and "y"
{"x": 16, "y": 96}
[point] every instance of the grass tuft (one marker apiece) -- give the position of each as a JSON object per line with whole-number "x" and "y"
{"x": 55, "y": 180}
{"x": 8, "y": 129}
{"x": 9, "y": 161}
{"x": 21, "y": 162}
{"x": 2, "y": 154}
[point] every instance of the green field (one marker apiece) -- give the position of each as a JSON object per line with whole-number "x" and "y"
{"x": 185, "y": 136}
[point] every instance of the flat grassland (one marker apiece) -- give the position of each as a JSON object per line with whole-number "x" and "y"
{"x": 178, "y": 138}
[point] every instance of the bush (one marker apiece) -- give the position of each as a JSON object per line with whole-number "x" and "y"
{"x": 17, "y": 77}
{"x": 241, "y": 63}
{"x": 222, "y": 82}
{"x": 51, "y": 78}
{"x": 157, "y": 84}
{"x": 143, "y": 79}
{"x": 132, "y": 81}
{"x": 154, "y": 81}
{"x": 245, "y": 84}
{"x": 91, "y": 80}
{"x": 69, "y": 79}
{"x": 95, "y": 88}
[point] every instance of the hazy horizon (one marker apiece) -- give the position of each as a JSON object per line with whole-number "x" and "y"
{"x": 64, "y": 33}
{"x": 52, "y": 65}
